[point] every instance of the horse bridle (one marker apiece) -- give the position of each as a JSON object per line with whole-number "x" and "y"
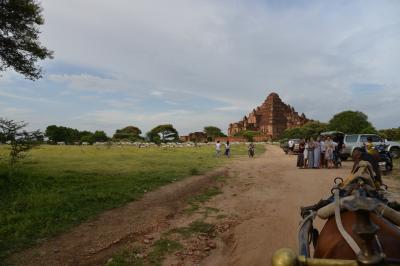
{"x": 361, "y": 205}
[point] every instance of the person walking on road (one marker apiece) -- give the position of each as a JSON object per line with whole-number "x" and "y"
{"x": 317, "y": 154}
{"x": 300, "y": 156}
{"x": 227, "y": 149}
{"x": 218, "y": 149}
{"x": 329, "y": 147}
{"x": 306, "y": 154}
{"x": 251, "y": 149}
{"x": 322, "y": 145}
{"x": 310, "y": 153}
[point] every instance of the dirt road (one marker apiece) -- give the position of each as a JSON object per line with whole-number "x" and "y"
{"x": 269, "y": 193}
{"x": 255, "y": 212}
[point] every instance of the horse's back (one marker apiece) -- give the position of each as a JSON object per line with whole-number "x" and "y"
{"x": 332, "y": 245}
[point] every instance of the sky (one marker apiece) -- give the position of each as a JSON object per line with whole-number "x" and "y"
{"x": 208, "y": 62}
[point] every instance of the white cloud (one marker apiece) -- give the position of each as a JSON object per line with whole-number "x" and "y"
{"x": 229, "y": 51}
{"x": 86, "y": 82}
{"x": 25, "y": 98}
{"x": 156, "y": 93}
{"x": 127, "y": 103}
{"x": 17, "y": 113}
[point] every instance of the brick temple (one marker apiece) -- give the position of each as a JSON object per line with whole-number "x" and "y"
{"x": 271, "y": 118}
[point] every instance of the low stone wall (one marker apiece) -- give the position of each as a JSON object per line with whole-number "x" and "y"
{"x": 231, "y": 139}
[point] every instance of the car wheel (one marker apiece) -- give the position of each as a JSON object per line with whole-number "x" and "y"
{"x": 395, "y": 152}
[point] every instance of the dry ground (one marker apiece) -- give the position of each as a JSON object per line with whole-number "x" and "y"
{"x": 255, "y": 212}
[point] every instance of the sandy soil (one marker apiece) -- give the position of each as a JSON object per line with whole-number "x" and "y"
{"x": 258, "y": 213}
{"x": 270, "y": 191}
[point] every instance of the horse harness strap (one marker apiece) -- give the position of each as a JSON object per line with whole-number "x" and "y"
{"x": 353, "y": 245}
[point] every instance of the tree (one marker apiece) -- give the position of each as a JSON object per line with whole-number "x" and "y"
{"x": 54, "y": 133}
{"x": 131, "y": 133}
{"x": 100, "y": 136}
{"x": 153, "y": 137}
{"x": 213, "y": 132}
{"x": 20, "y": 48}
{"x": 163, "y": 133}
{"x": 21, "y": 141}
{"x": 65, "y": 134}
{"x": 86, "y": 136}
{"x": 390, "y": 133}
{"x": 308, "y": 130}
{"x": 351, "y": 122}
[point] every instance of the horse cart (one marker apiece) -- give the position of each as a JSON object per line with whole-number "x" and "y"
{"x": 362, "y": 226}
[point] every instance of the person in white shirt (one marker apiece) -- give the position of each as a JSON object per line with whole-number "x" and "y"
{"x": 306, "y": 154}
{"x": 218, "y": 148}
{"x": 291, "y": 145}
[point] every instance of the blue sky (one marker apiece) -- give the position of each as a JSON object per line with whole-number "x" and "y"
{"x": 199, "y": 63}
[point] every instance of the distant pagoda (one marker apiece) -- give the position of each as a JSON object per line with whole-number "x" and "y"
{"x": 271, "y": 118}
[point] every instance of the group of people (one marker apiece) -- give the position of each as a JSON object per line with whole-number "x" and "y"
{"x": 227, "y": 152}
{"x": 218, "y": 149}
{"x": 320, "y": 153}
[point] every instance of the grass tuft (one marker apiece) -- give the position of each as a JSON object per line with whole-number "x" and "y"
{"x": 126, "y": 258}
{"x": 161, "y": 248}
{"x": 195, "y": 201}
{"x": 194, "y": 171}
{"x": 197, "y": 226}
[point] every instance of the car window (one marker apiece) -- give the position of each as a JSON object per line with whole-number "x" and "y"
{"x": 376, "y": 138}
{"x": 351, "y": 138}
{"x": 364, "y": 138}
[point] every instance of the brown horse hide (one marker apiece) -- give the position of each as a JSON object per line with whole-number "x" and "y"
{"x": 331, "y": 244}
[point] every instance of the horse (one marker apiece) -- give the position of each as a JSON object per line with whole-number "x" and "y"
{"x": 362, "y": 227}
{"x": 331, "y": 244}
{"x": 361, "y": 224}
{"x": 367, "y": 230}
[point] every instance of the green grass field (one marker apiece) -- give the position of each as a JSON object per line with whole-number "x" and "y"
{"x": 57, "y": 187}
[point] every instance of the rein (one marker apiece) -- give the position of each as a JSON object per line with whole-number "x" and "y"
{"x": 340, "y": 227}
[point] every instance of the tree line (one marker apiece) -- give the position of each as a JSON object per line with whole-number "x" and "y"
{"x": 348, "y": 122}
{"x": 160, "y": 134}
